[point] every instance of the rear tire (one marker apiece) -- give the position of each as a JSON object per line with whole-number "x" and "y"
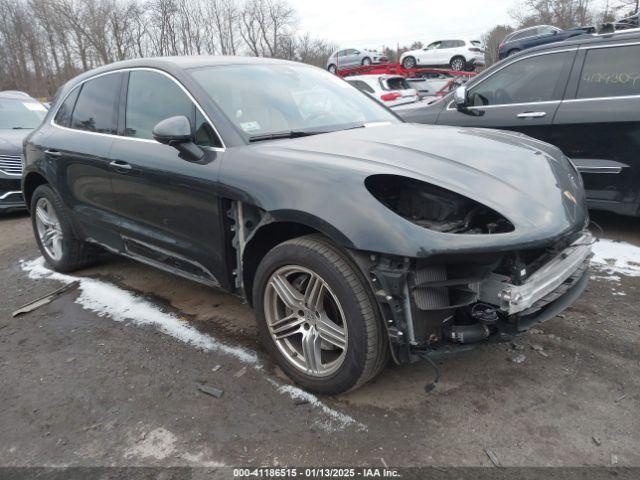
{"x": 513, "y": 52}
{"x": 408, "y": 62}
{"x": 54, "y": 233}
{"x": 366, "y": 61}
{"x": 347, "y": 301}
{"x": 458, "y": 64}
{"x": 332, "y": 69}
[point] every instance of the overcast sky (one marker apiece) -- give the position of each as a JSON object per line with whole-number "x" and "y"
{"x": 372, "y": 23}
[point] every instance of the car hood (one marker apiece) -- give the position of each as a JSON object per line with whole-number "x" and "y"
{"x": 529, "y": 182}
{"x": 11, "y": 141}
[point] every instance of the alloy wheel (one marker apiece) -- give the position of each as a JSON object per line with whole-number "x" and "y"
{"x": 457, "y": 64}
{"x": 49, "y": 228}
{"x": 409, "y": 62}
{"x": 305, "y": 320}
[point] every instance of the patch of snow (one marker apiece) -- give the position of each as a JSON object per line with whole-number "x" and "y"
{"x": 108, "y": 300}
{"x": 120, "y": 305}
{"x": 339, "y": 420}
{"x": 616, "y": 258}
{"x": 158, "y": 444}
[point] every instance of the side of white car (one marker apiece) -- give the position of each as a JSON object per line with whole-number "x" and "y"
{"x": 458, "y": 55}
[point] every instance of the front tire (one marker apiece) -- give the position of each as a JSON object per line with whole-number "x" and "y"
{"x": 332, "y": 69}
{"x": 317, "y": 317}
{"x": 408, "y": 63}
{"x": 55, "y": 237}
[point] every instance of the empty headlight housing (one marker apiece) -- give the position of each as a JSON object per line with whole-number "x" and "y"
{"x": 435, "y": 208}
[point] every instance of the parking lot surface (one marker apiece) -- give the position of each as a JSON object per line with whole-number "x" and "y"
{"x": 108, "y": 374}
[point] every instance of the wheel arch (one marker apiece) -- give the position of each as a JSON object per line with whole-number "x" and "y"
{"x": 32, "y": 181}
{"x": 274, "y": 230}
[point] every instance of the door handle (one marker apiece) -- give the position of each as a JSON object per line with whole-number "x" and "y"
{"x": 53, "y": 153}
{"x": 120, "y": 165}
{"x": 532, "y": 114}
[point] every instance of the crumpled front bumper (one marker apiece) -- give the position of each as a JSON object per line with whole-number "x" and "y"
{"x": 544, "y": 286}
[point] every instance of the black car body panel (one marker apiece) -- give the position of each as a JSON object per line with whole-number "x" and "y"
{"x": 212, "y": 218}
{"x": 536, "y": 36}
{"x": 599, "y": 132}
{"x": 499, "y": 176}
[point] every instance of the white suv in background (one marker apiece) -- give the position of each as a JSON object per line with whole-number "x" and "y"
{"x": 456, "y": 54}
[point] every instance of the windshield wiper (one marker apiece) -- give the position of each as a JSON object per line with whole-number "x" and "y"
{"x": 296, "y": 134}
{"x": 288, "y": 134}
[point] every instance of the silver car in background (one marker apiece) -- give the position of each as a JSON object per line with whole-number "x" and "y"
{"x": 353, "y": 57}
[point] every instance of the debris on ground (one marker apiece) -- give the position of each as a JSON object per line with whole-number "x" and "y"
{"x": 216, "y": 368}
{"x": 213, "y": 391}
{"x": 614, "y": 459}
{"x": 300, "y": 401}
{"x": 517, "y": 346}
{"x": 240, "y": 372}
{"x": 540, "y": 350}
{"x": 536, "y": 331}
{"x": 45, "y": 299}
{"x": 520, "y": 358}
{"x": 597, "y": 441}
{"x": 492, "y": 456}
{"x": 620, "y": 398}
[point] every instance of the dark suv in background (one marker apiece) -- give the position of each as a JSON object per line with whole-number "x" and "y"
{"x": 19, "y": 114}
{"x": 536, "y": 36}
{"x": 582, "y": 95}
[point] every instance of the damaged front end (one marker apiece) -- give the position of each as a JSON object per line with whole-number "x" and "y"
{"x": 444, "y": 303}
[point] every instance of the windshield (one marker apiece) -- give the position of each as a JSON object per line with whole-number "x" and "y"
{"x": 270, "y": 99}
{"x": 18, "y": 114}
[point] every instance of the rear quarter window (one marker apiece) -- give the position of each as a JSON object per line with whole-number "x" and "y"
{"x": 610, "y": 72}
{"x": 97, "y": 104}
{"x": 63, "y": 116}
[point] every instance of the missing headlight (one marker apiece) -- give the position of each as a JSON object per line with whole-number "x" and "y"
{"x": 434, "y": 207}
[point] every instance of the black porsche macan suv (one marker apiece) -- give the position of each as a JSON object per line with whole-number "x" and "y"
{"x": 582, "y": 95}
{"x": 354, "y": 235}
{"x": 19, "y": 114}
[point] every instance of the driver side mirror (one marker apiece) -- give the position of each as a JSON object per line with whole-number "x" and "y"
{"x": 460, "y": 97}
{"x": 176, "y": 132}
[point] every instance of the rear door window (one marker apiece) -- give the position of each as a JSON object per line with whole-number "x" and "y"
{"x": 396, "y": 83}
{"x": 96, "y": 107}
{"x": 610, "y": 72}
{"x": 533, "y": 79}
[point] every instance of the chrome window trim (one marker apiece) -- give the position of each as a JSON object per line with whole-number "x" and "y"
{"x": 570, "y": 49}
{"x": 123, "y": 137}
{"x": 599, "y": 99}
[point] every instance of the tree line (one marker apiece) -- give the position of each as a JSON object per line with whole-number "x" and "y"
{"x": 559, "y": 13}
{"x": 43, "y": 43}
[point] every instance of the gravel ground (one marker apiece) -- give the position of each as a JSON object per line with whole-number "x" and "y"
{"x": 82, "y": 385}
